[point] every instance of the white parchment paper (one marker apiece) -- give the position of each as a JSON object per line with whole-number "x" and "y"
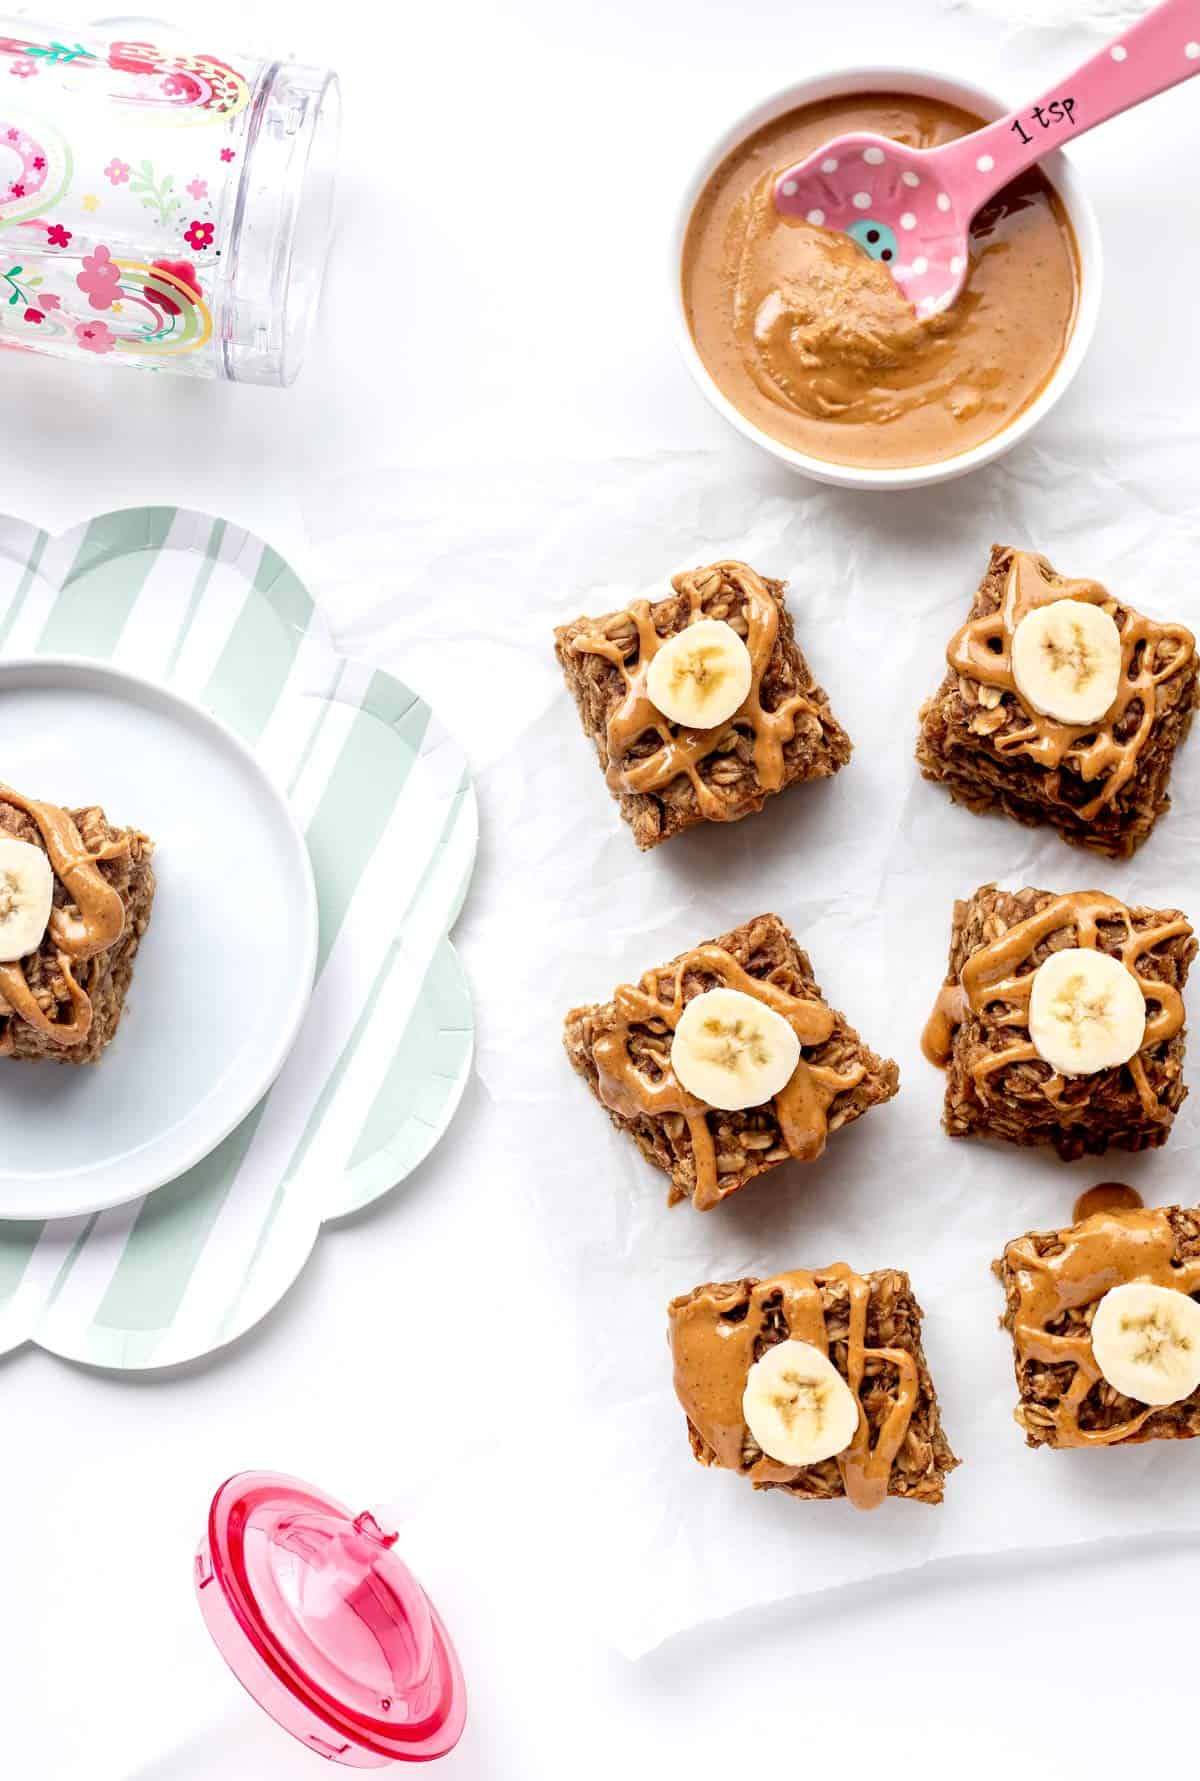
{"x": 864, "y": 868}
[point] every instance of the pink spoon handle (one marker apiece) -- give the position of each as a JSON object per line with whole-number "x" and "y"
{"x": 1158, "y": 52}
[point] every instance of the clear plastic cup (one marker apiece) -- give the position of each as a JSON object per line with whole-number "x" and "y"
{"x": 163, "y": 207}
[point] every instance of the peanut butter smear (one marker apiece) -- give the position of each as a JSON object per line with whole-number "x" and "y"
{"x": 815, "y": 343}
{"x": 1107, "y": 1250}
{"x": 713, "y": 1357}
{"x": 91, "y": 922}
{"x": 993, "y": 979}
{"x": 1104, "y": 753}
{"x": 801, "y": 1105}
{"x": 1106, "y": 1196}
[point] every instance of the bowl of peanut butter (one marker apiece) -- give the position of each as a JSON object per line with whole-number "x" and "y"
{"x": 806, "y": 344}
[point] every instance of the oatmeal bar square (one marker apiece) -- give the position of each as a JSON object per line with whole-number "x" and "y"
{"x": 63, "y": 999}
{"x": 1055, "y": 1283}
{"x": 997, "y": 1083}
{"x": 869, "y": 1326}
{"x": 665, "y": 775}
{"x": 1100, "y": 779}
{"x": 623, "y": 1048}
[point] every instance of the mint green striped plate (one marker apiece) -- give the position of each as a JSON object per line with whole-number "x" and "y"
{"x": 388, "y": 810}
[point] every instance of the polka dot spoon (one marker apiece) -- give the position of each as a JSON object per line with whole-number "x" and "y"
{"x": 912, "y": 208}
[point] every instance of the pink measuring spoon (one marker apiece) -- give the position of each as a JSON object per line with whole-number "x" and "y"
{"x": 912, "y": 208}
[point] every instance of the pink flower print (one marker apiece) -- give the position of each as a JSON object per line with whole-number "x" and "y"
{"x": 34, "y": 315}
{"x": 57, "y": 236}
{"x": 17, "y": 189}
{"x": 117, "y": 171}
{"x": 133, "y": 58}
{"x": 12, "y": 136}
{"x": 172, "y": 87}
{"x": 199, "y": 235}
{"x": 227, "y": 154}
{"x": 198, "y": 189}
{"x": 100, "y": 281}
{"x": 39, "y": 163}
{"x": 185, "y": 273}
{"x": 49, "y": 302}
{"x": 95, "y": 336}
{"x": 22, "y": 68}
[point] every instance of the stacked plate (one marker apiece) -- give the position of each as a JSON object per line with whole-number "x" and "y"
{"x": 299, "y": 1030}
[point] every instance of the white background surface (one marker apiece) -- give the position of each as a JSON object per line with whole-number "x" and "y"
{"x": 497, "y": 311}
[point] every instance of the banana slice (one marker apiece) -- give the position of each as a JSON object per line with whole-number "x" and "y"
{"x": 797, "y": 1405}
{"x": 1086, "y": 1012}
{"x": 1146, "y": 1341}
{"x": 700, "y": 676}
{"x": 1066, "y": 660}
{"x": 732, "y": 1051}
{"x": 26, "y": 896}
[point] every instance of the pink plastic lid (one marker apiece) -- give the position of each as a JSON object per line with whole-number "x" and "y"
{"x": 325, "y": 1627}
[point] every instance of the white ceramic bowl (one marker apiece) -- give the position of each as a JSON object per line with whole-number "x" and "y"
{"x": 927, "y": 86}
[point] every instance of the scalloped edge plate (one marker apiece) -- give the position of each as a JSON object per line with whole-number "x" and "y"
{"x": 388, "y": 811}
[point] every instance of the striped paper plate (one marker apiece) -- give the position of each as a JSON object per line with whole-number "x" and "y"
{"x": 389, "y": 814}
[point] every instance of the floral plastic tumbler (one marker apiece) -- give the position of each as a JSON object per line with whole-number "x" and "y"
{"x": 162, "y": 207}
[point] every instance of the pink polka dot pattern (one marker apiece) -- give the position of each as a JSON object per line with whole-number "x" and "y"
{"x": 913, "y": 208}
{"x": 876, "y": 181}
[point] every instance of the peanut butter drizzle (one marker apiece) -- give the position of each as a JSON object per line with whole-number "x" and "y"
{"x": 990, "y": 976}
{"x": 683, "y": 750}
{"x": 713, "y": 1357}
{"x": 937, "y": 1040}
{"x": 801, "y": 1105}
{"x": 15, "y": 991}
{"x": 982, "y": 651}
{"x": 1106, "y": 1196}
{"x": 1102, "y": 1252}
{"x": 94, "y": 921}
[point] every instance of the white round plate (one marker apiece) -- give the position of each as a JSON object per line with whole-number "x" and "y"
{"x": 224, "y": 975}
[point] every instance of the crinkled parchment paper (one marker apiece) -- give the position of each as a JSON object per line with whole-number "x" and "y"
{"x": 864, "y": 869}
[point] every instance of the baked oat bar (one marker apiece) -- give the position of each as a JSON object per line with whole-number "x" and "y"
{"x": 812, "y": 1383}
{"x": 75, "y": 900}
{"x": 635, "y": 1052}
{"x": 746, "y": 717}
{"x": 1006, "y": 1011}
{"x": 1106, "y": 1328}
{"x": 1057, "y": 718}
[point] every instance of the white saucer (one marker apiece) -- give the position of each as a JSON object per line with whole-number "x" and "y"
{"x": 224, "y": 974}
